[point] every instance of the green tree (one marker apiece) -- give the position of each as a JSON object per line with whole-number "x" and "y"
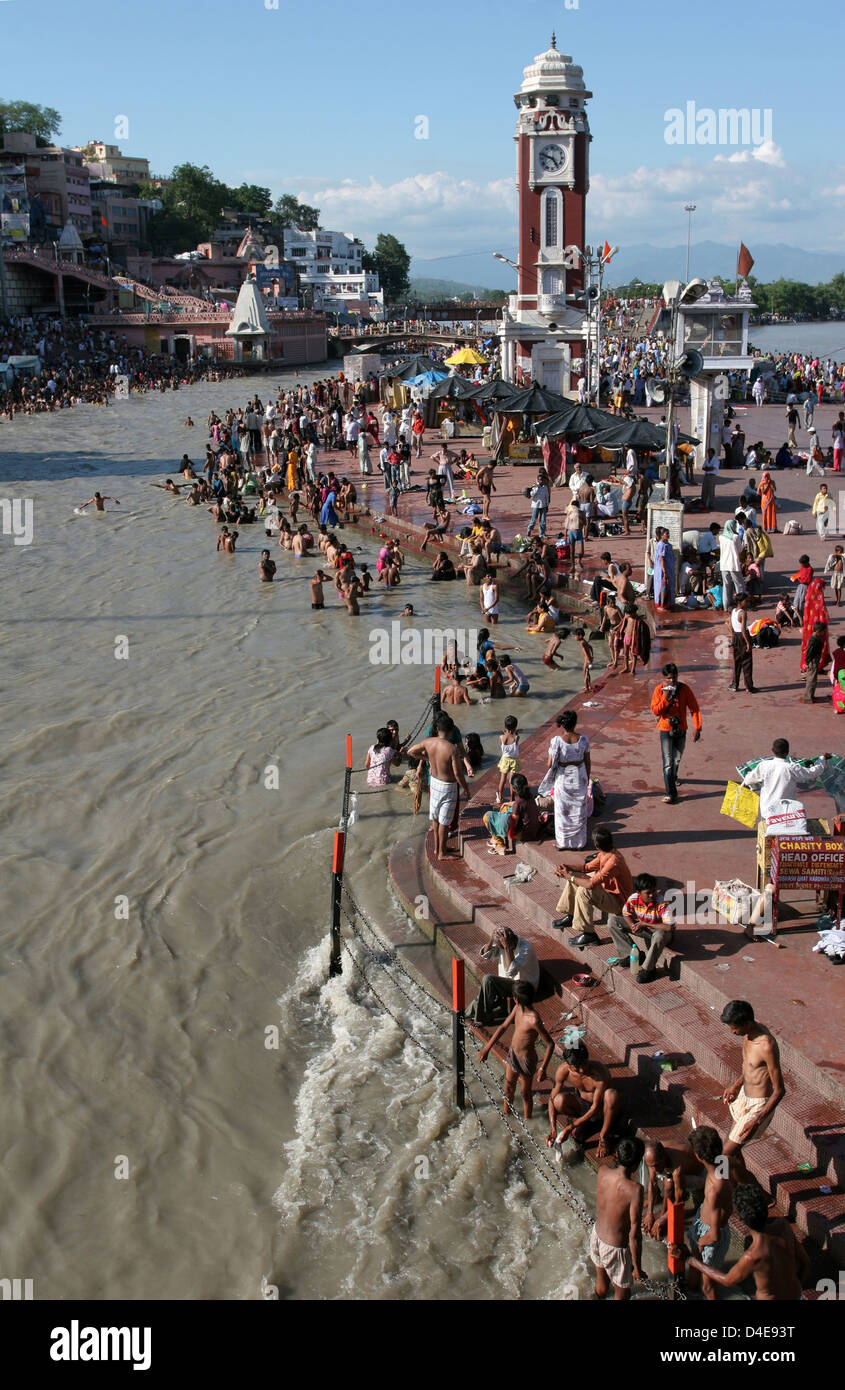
{"x": 41, "y": 121}
{"x": 194, "y": 192}
{"x": 291, "y": 213}
{"x": 391, "y": 262}
{"x": 251, "y": 197}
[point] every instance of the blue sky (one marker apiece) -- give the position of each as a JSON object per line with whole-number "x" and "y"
{"x": 320, "y": 99}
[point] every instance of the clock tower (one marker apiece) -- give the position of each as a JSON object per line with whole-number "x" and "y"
{"x": 543, "y": 337}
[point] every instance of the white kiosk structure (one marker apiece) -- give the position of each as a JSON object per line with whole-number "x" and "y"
{"x": 716, "y": 326}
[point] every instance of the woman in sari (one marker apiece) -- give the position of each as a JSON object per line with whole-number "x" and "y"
{"x": 664, "y": 570}
{"x": 768, "y": 502}
{"x": 815, "y": 611}
{"x": 569, "y": 767}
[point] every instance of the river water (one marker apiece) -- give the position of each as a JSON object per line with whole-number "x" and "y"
{"x": 166, "y": 915}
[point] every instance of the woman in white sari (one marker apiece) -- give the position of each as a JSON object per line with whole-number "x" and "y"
{"x": 569, "y": 769}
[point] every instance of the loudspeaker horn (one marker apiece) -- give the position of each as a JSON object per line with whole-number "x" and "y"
{"x": 692, "y": 363}
{"x": 657, "y": 390}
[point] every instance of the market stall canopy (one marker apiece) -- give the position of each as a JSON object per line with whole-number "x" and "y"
{"x": 413, "y": 366}
{"x": 465, "y": 357}
{"x": 634, "y": 434}
{"x": 498, "y": 390}
{"x": 455, "y": 388}
{"x": 536, "y": 400}
{"x": 580, "y": 419}
{"x": 423, "y": 379}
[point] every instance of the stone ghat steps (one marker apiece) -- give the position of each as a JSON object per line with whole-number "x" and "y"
{"x": 537, "y": 902}
{"x": 614, "y": 1015}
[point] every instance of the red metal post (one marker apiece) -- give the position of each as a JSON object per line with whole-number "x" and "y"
{"x": 675, "y": 1236}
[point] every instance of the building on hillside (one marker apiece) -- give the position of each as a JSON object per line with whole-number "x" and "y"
{"x": 543, "y": 336}
{"x": 108, "y": 165}
{"x": 57, "y": 176}
{"x": 331, "y": 272}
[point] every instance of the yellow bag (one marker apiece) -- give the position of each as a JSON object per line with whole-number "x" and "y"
{"x": 742, "y": 804}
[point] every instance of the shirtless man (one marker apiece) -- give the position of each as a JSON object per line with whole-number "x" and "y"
{"x": 351, "y": 591}
{"x": 99, "y": 502}
{"x": 317, "y": 600}
{"x": 226, "y": 540}
{"x": 266, "y": 568}
{"x": 446, "y": 775}
{"x": 456, "y": 692}
{"x": 522, "y": 1054}
{"x": 299, "y": 544}
{"x": 709, "y": 1232}
{"x": 774, "y": 1258}
{"x": 674, "y": 1165}
{"x": 753, "y": 1098}
{"x": 616, "y": 1240}
{"x": 484, "y": 479}
{"x": 594, "y": 1100}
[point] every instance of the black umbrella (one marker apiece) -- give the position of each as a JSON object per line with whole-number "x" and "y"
{"x": 536, "y": 400}
{"x": 633, "y": 434}
{"x": 581, "y": 419}
{"x": 454, "y": 388}
{"x": 498, "y": 390}
{"x": 414, "y": 366}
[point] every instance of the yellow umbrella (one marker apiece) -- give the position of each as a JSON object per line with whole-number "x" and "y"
{"x": 465, "y": 357}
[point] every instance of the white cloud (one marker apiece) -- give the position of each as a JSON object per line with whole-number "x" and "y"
{"x": 766, "y": 153}
{"x": 752, "y": 192}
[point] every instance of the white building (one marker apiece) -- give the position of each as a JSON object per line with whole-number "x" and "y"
{"x": 330, "y": 264}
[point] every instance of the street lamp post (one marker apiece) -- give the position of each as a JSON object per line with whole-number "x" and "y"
{"x": 689, "y": 209}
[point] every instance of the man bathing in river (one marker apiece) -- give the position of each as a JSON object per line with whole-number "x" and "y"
{"x": 522, "y": 1053}
{"x": 593, "y": 1101}
{"x": 678, "y": 1169}
{"x": 616, "y": 1239}
{"x": 446, "y": 775}
{"x": 752, "y": 1099}
{"x": 99, "y": 503}
{"x": 774, "y": 1258}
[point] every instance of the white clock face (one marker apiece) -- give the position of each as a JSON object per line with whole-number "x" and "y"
{"x": 552, "y": 158}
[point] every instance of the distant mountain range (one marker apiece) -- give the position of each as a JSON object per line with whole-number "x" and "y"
{"x": 652, "y": 264}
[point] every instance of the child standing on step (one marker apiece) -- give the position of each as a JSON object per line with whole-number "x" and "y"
{"x": 509, "y": 761}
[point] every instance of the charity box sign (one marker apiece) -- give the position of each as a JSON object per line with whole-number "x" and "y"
{"x": 808, "y": 862}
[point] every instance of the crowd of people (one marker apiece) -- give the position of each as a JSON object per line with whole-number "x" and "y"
{"x": 79, "y": 364}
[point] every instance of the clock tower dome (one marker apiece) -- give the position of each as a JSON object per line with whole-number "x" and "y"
{"x": 552, "y": 179}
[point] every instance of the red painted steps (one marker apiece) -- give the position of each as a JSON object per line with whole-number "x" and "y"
{"x": 617, "y": 1015}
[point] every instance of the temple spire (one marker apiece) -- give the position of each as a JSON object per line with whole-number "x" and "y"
{"x": 554, "y": 39}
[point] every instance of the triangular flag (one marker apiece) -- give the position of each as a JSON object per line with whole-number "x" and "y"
{"x": 745, "y": 260}
{"x": 605, "y": 255}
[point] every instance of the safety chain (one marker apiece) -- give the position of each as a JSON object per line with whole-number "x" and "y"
{"x": 438, "y": 1065}
{"x": 375, "y": 957}
{"x": 394, "y": 959}
{"x": 385, "y": 956}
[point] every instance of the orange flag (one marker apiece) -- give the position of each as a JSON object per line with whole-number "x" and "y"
{"x": 744, "y": 261}
{"x": 605, "y": 255}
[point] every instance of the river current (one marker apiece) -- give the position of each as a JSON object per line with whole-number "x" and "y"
{"x": 166, "y": 914}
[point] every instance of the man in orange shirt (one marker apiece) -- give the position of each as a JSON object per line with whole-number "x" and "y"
{"x": 605, "y": 884}
{"x": 671, "y": 702}
{"x": 418, "y": 430}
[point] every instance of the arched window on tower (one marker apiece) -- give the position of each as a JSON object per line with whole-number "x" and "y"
{"x": 552, "y": 220}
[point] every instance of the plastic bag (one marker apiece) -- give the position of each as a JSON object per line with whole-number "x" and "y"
{"x": 741, "y": 803}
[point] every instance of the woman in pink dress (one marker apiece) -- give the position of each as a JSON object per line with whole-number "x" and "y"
{"x": 380, "y": 759}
